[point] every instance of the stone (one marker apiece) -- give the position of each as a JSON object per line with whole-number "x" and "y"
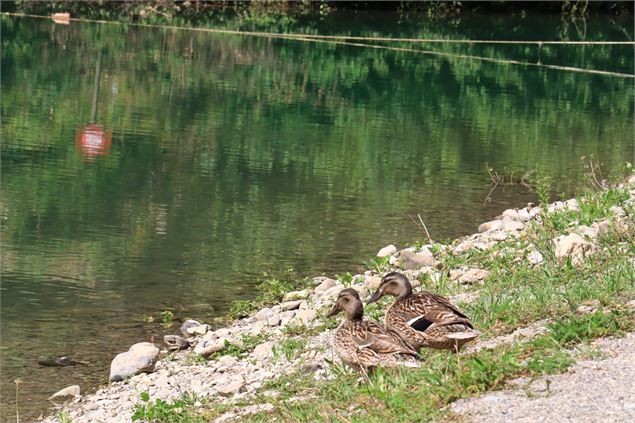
{"x": 572, "y": 205}
{"x": 603, "y": 227}
{"x": 574, "y": 246}
{"x": 523, "y": 215}
{"x": 231, "y": 387}
{"x": 198, "y": 330}
{"x": 325, "y": 285}
{"x": 66, "y": 393}
{"x": 534, "y": 257}
{"x": 273, "y": 320}
{"x": 361, "y": 290}
{"x": 257, "y": 327}
{"x": 291, "y": 305}
{"x": 388, "y": 250}
{"x": 263, "y": 314}
{"x": 411, "y": 261}
{"x": 512, "y": 225}
{"x": 297, "y": 295}
{"x": 188, "y": 324}
{"x": 310, "y": 367}
{"x": 140, "y": 358}
{"x": 490, "y": 226}
{"x": 227, "y": 361}
{"x": 175, "y": 342}
{"x": 303, "y": 317}
{"x": 372, "y": 282}
{"x": 222, "y": 332}
{"x": 207, "y": 348}
{"x": 285, "y": 317}
{"x": 588, "y": 307}
{"x": 511, "y": 213}
{"x": 535, "y": 211}
{"x": 474, "y": 275}
{"x": 264, "y": 350}
{"x": 333, "y": 292}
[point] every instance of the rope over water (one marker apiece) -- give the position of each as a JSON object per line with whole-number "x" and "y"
{"x": 334, "y": 39}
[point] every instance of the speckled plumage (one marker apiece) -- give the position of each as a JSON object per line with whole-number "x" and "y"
{"x": 423, "y": 319}
{"x": 364, "y": 344}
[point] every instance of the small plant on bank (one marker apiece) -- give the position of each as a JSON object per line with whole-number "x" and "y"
{"x": 179, "y": 411}
{"x": 378, "y": 264}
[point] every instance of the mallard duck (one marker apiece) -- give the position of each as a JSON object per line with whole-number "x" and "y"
{"x": 423, "y": 319}
{"x": 363, "y": 344}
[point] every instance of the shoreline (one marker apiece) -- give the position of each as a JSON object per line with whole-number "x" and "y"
{"x": 221, "y": 370}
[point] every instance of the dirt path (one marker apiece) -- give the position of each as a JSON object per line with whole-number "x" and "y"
{"x": 596, "y": 390}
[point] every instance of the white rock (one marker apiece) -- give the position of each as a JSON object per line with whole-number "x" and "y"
{"x": 574, "y": 246}
{"x": 512, "y": 225}
{"x": 291, "y": 305}
{"x": 523, "y": 215}
{"x": 535, "y": 211}
{"x": 410, "y": 260}
{"x": 388, "y": 250}
{"x": 325, "y": 285}
{"x": 227, "y": 361}
{"x": 474, "y": 275}
{"x": 188, "y": 324}
{"x": 303, "y": 317}
{"x": 206, "y": 348}
{"x": 534, "y": 257}
{"x": 372, "y": 282}
{"x": 71, "y": 391}
{"x": 263, "y": 350}
{"x": 198, "y": 330}
{"x": 297, "y": 295}
{"x": 511, "y": 213}
{"x": 333, "y": 292}
{"x": 140, "y": 358}
{"x": 273, "y": 320}
{"x": 572, "y": 205}
{"x": 231, "y": 387}
{"x": 490, "y": 226}
{"x": 264, "y": 314}
{"x": 285, "y": 317}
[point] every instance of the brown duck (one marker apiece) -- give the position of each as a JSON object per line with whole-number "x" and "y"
{"x": 363, "y": 344}
{"x": 423, "y": 319}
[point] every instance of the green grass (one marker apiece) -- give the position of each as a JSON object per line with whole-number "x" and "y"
{"x": 270, "y": 291}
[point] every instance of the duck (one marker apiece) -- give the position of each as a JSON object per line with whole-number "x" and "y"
{"x": 423, "y": 319}
{"x": 364, "y": 344}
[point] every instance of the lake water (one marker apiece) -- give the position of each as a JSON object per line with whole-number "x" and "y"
{"x": 147, "y": 169}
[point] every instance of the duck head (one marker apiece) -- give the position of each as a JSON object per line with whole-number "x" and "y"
{"x": 395, "y": 284}
{"x": 349, "y": 302}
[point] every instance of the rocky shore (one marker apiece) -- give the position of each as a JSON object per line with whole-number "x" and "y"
{"x": 229, "y": 365}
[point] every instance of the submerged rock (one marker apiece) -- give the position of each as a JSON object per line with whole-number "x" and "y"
{"x": 141, "y": 358}
{"x": 59, "y": 361}
{"x": 66, "y": 393}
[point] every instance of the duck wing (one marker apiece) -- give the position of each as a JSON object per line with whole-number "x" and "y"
{"x": 376, "y": 338}
{"x": 426, "y": 310}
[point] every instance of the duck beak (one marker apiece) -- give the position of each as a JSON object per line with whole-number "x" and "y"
{"x": 334, "y": 311}
{"x": 377, "y": 295}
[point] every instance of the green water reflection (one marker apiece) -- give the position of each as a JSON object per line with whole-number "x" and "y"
{"x": 230, "y": 156}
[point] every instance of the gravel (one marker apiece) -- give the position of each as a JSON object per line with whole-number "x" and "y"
{"x": 601, "y": 390}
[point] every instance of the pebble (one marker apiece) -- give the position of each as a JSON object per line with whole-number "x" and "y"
{"x": 388, "y": 250}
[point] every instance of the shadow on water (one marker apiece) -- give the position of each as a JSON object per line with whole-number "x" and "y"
{"x": 147, "y": 169}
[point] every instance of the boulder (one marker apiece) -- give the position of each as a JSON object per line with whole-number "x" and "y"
{"x": 291, "y": 305}
{"x": 511, "y": 213}
{"x": 188, "y": 324}
{"x": 411, "y": 261}
{"x": 372, "y": 282}
{"x": 207, "y": 348}
{"x": 512, "y": 225}
{"x": 231, "y": 387}
{"x": 263, "y": 314}
{"x": 141, "y": 358}
{"x": 490, "y": 226}
{"x": 574, "y": 246}
{"x": 66, "y": 393}
{"x": 264, "y": 350}
{"x": 198, "y": 330}
{"x": 388, "y": 250}
{"x": 297, "y": 295}
{"x": 175, "y": 342}
{"x": 303, "y": 317}
{"x": 326, "y": 284}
